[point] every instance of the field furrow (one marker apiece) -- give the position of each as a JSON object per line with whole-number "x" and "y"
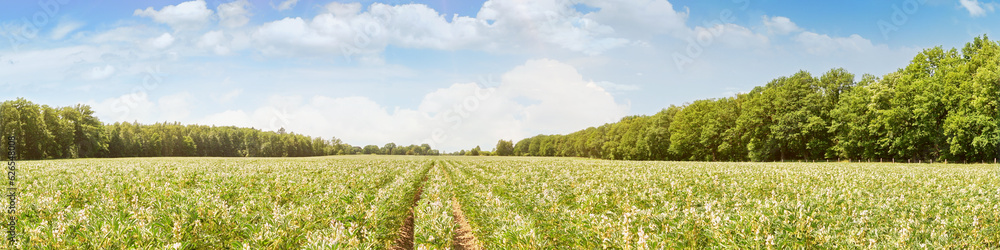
{"x": 370, "y": 202}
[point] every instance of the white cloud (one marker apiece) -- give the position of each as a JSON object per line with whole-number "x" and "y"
{"x": 500, "y": 25}
{"x": 58, "y": 69}
{"x": 731, "y": 35}
{"x": 459, "y": 116}
{"x": 175, "y": 107}
{"x": 228, "y": 96}
{"x": 780, "y": 25}
{"x": 211, "y": 38}
{"x": 162, "y": 41}
{"x": 826, "y": 45}
{"x": 293, "y": 36}
{"x": 286, "y": 5}
{"x": 229, "y": 118}
{"x": 217, "y": 41}
{"x": 977, "y": 9}
{"x": 615, "y": 87}
{"x": 343, "y": 9}
{"x": 100, "y": 73}
{"x": 565, "y": 101}
{"x": 234, "y": 14}
{"x": 637, "y": 18}
{"x": 65, "y": 28}
{"x": 542, "y": 23}
{"x": 137, "y": 106}
{"x": 134, "y": 106}
{"x": 418, "y": 26}
{"x": 347, "y": 30}
{"x": 184, "y": 16}
{"x": 344, "y": 32}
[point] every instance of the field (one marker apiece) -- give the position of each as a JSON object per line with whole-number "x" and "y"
{"x": 378, "y": 202}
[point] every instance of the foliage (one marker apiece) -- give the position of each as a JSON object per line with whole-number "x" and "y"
{"x": 45, "y": 132}
{"x": 943, "y": 106}
{"x": 504, "y": 148}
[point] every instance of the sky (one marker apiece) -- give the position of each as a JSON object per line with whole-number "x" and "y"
{"x": 453, "y": 74}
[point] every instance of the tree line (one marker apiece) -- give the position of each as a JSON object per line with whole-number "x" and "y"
{"x": 943, "y": 106}
{"x": 45, "y": 132}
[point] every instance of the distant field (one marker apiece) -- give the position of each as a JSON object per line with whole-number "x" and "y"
{"x": 501, "y": 203}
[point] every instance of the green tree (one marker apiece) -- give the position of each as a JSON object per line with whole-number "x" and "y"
{"x": 371, "y": 149}
{"x": 658, "y": 134}
{"x": 522, "y": 147}
{"x": 504, "y": 148}
{"x": 190, "y": 148}
{"x": 388, "y": 148}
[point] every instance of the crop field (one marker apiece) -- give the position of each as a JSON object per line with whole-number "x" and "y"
{"x": 383, "y": 202}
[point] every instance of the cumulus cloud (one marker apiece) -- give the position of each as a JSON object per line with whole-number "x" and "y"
{"x": 162, "y": 41}
{"x": 542, "y": 23}
{"x": 451, "y": 118}
{"x": 100, "y": 73}
{"x": 183, "y": 16}
{"x": 780, "y": 25}
{"x": 224, "y": 42}
{"x": 291, "y": 36}
{"x": 731, "y": 35}
{"x": 286, "y": 5}
{"x": 564, "y": 100}
{"x": 349, "y": 30}
{"x": 229, "y": 118}
{"x": 138, "y": 106}
{"x": 175, "y": 107}
{"x": 637, "y": 18}
{"x": 825, "y": 45}
{"x": 216, "y": 41}
{"x": 134, "y": 106}
{"x": 342, "y": 30}
{"x": 503, "y": 25}
{"x": 977, "y": 9}
{"x": 234, "y": 14}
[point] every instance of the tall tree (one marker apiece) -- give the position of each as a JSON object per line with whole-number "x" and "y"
{"x": 504, "y": 148}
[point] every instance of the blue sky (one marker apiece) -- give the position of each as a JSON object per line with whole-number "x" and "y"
{"x": 454, "y": 74}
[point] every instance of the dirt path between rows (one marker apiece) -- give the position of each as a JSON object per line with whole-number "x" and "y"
{"x": 463, "y": 235}
{"x": 405, "y": 238}
{"x": 464, "y": 238}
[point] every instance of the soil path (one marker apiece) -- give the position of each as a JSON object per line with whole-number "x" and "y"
{"x": 405, "y": 239}
{"x": 464, "y": 238}
{"x": 463, "y": 235}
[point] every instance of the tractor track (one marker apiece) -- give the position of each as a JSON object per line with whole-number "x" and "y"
{"x": 405, "y": 237}
{"x": 464, "y": 238}
{"x": 463, "y": 235}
